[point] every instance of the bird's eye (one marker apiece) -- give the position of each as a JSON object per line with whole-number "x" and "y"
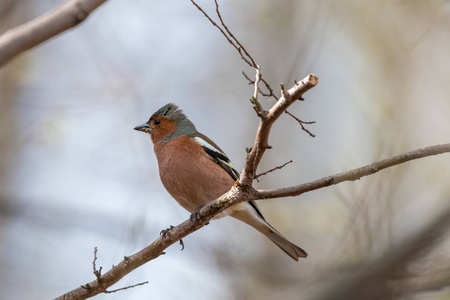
{"x": 157, "y": 122}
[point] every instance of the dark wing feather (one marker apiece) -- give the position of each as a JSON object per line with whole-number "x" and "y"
{"x": 217, "y": 156}
{"x": 223, "y": 161}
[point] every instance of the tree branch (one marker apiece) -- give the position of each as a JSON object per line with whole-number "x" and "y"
{"x": 37, "y": 31}
{"x": 301, "y": 124}
{"x": 127, "y": 287}
{"x": 245, "y": 55}
{"x": 273, "y": 169}
{"x": 354, "y": 174}
{"x": 262, "y": 136}
{"x": 155, "y": 249}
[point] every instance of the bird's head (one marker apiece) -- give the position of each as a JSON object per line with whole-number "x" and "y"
{"x": 167, "y": 123}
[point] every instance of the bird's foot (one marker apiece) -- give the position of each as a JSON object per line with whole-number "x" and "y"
{"x": 165, "y": 232}
{"x": 196, "y": 214}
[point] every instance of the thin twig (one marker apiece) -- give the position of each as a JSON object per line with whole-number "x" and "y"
{"x": 260, "y": 111}
{"x": 256, "y": 84}
{"x": 126, "y": 288}
{"x": 245, "y": 55}
{"x": 271, "y": 170}
{"x": 97, "y": 273}
{"x": 215, "y": 25}
{"x": 301, "y": 123}
{"x": 250, "y": 59}
{"x": 228, "y": 35}
{"x": 269, "y": 94}
{"x": 250, "y": 81}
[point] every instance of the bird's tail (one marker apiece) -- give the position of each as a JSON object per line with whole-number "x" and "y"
{"x": 257, "y": 222}
{"x": 278, "y": 239}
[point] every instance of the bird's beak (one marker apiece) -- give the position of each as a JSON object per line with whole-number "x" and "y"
{"x": 143, "y": 127}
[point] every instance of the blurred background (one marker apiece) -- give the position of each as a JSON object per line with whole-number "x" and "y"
{"x": 74, "y": 175}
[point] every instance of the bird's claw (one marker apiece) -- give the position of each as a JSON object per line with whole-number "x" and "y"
{"x": 165, "y": 232}
{"x": 182, "y": 245}
{"x": 196, "y": 214}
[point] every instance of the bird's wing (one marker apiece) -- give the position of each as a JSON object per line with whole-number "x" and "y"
{"x": 219, "y": 157}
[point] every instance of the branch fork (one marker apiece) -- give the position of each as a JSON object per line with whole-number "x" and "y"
{"x": 262, "y": 136}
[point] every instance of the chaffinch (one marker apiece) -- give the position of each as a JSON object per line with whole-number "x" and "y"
{"x": 195, "y": 171}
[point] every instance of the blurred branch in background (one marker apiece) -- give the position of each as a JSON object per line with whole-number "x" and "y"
{"x": 8, "y": 91}
{"x": 26, "y": 36}
{"x": 387, "y": 276}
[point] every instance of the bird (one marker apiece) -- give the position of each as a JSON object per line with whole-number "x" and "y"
{"x": 195, "y": 171}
